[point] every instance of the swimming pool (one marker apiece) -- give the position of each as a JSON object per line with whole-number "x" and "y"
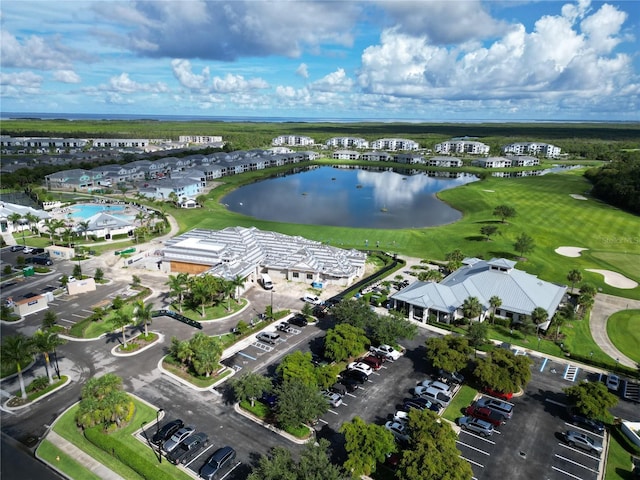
{"x": 86, "y": 210}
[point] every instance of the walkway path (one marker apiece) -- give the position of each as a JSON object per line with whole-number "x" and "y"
{"x": 82, "y": 458}
{"x": 603, "y": 308}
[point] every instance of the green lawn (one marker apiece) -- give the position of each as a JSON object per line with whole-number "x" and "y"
{"x": 619, "y": 464}
{"x": 461, "y": 401}
{"x": 623, "y": 329}
{"x": 56, "y": 457}
{"x": 66, "y": 427}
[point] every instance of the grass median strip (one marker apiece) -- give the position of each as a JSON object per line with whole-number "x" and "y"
{"x": 462, "y": 400}
{"x": 63, "y": 462}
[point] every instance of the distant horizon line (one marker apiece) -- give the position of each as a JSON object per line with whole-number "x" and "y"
{"x": 269, "y": 119}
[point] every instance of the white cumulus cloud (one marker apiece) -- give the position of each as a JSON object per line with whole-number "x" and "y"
{"x": 303, "y": 70}
{"x": 236, "y": 83}
{"x": 66, "y": 76}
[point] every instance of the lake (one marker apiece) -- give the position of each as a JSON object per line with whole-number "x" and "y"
{"x": 350, "y": 197}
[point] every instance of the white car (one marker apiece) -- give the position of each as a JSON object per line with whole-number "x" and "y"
{"x": 433, "y": 394}
{"x": 436, "y": 384}
{"x": 27, "y": 250}
{"x": 401, "y": 416}
{"x": 333, "y": 398}
{"x": 361, "y": 367}
{"x": 312, "y": 299}
{"x": 385, "y": 351}
{"x": 613, "y": 382}
{"x": 399, "y": 430}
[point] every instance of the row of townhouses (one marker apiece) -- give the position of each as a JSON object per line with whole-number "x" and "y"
{"x": 464, "y": 146}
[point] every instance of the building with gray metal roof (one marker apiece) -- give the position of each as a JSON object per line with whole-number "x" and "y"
{"x": 519, "y": 291}
{"x": 249, "y": 252}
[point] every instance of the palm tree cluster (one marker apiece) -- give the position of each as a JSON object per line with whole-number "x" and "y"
{"x": 200, "y": 291}
{"x": 104, "y": 403}
{"x": 200, "y": 354}
{"x": 19, "y": 350}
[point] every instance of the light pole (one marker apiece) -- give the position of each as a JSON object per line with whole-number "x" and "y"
{"x": 157, "y": 431}
{"x": 272, "y": 312}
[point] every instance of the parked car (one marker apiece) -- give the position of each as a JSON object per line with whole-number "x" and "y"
{"x": 385, "y": 351}
{"x": 595, "y": 426}
{"x": 420, "y": 404}
{"x": 436, "y": 384}
{"x": 401, "y": 416}
{"x": 312, "y": 299}
{"x": 399, "y": 430}
{"x": 373, "y": 361}
{"x": 320, "y": 311}
{"x": 500, "y": 395}
{"x": 481, "y": 427}
{"x": 217, "y": 462}
{"x": 432, "y": 394}
{"x": 339, "y": 388}
{"x": 613, "y": 382}
{"x": 582, "y": 440}
{"x": 282, "y": 326}
{"x": 177, "y": 438}
{"x": 298, "y": 321}
{"x": 166, "y": 431}
{"x": 363, "y": 367}
{"x": 497, "y": 405}
{"x": 451, "y": 377}
{"x": 334, "y": 399}
{"x": 37, "y": 251}
{"x": 16, "y": 248}
{"x": 357, "y": 375}
{"x": 350, "y": 383}
{"x": 269, "y": 399}
{"x": 483, "y": 413}
{"x": 188, "y": 448}
{"x": 27, "y": 250}
{"x": 268, "y": 337}
{"x": 40, "y": 260}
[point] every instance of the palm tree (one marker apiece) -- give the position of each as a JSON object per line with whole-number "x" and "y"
{"x": 177, "y": 286}
{"x": 494, "y": 302}
{"x": 17, "y": 350}
{"x": 46, "y": 341}
{"x": 143, "y": 314}
{"x": 237, "y": 282}
{"x": 14, "y": 218}
{"x": 227, "y": 288}
{"x": 67, "y": 235}
{"x": 574, "y": 276}
{"x": 49, "y": 226}
{"x": 539, "y": 316}
{"x": 471, "y": 308}
{"x": 49, "y": 320}
{"x": 82, "y": 228}
{"x": 32, "y": 219}
{"x": 120, "y": 320}
{"x": 57, "y": 225}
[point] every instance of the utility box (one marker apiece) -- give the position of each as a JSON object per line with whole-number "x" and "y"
{"x": 28, "y": 271}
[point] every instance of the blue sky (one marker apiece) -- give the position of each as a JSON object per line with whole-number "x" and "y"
{"x": 431, "y": 60}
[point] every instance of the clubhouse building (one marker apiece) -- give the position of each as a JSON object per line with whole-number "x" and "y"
{"x": 519, "y": 292}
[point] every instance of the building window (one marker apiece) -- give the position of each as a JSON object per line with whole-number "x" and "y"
{"x": 295, "y": 275}
{"x": 309, "y": 276}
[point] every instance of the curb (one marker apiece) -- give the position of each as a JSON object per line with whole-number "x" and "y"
{"x": 115, "y": 353}
{"x": 12, "y": 409}
{"x": 182, "y": 381}
{"x": 268, "y": 426}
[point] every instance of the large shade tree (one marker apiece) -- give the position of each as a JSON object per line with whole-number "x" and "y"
{"x": 299, "y": 403}
{"x": 450, "y": 353}
{"x": 344, "y": 341}
{"x": 367, "y": 444}
{"x": 503, "y": 371}
{"x": 591, "y": 399}
{"x": 504, "y": 212}
{"x": 250, "y": 386}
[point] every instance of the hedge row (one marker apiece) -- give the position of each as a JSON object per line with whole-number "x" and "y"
{"x": 125, "y": 454}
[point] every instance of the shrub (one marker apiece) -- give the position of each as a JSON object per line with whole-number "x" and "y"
{"x": 7, "y": 269}
{"x": 39, "y": 383}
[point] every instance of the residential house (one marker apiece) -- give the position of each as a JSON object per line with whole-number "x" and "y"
{"x": 347, "y": 142}
{"x": 394, "y": 144}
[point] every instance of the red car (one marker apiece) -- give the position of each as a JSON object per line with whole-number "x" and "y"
{"x": 494, "y": 418}
{"x": 373, "y": 361}
{"x": 502, "y": 396}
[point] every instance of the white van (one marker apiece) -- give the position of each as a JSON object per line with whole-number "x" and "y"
{"x": 267, "y": 284}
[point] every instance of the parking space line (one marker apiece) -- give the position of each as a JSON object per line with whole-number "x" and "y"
{"x": 576, "y": 463}
{"x": 544, "y": 364}
{"x": 471, "y": 434}
{"x": 247, "y": 355}
{"x": 586, "y": 454}
{"x": 229, "y": 472}
{"x": 65, "y": 320}
{"x": 84, "y": 310}
{"x": 554, "y": 402}
{"x": 350, "y": 394}
{"x": 566, "y": 473}
{"x": 474, "y": 448}
{"x": 471, "y": 461}
{"x": 570, "y": 373}
{"x": 198, "y": 456}
{"x": 323, "y": 421}
{"x": 375, "y": 373}
{"x": 79, "y": 316}
{"x": 332, "y": 411}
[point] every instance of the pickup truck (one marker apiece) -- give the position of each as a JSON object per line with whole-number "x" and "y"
{"x": 385, "y": 351}
{"x": 483, "y": 413}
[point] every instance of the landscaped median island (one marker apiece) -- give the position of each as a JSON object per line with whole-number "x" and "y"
{"x": 38, "y": 388}
{"x": 112, "y": 443}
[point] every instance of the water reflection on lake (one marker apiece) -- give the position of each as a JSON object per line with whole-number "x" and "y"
{"x": 366, "y": 198}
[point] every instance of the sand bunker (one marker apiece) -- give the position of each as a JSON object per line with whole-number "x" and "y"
{"x": 615, "y": 279}
{"x": 490, "y": 191}
{"x": 569, "y": 251}
{"x": 578, "y": 197}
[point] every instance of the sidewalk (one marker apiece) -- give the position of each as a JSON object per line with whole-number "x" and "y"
{"x": 82, "y": 458}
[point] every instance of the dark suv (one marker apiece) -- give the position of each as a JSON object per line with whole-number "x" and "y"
{"x": 356, "y": 375}
{"x": 220, "y": 459}
{"x": 298, "y": 321}
{"x": 187, "y": 450}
